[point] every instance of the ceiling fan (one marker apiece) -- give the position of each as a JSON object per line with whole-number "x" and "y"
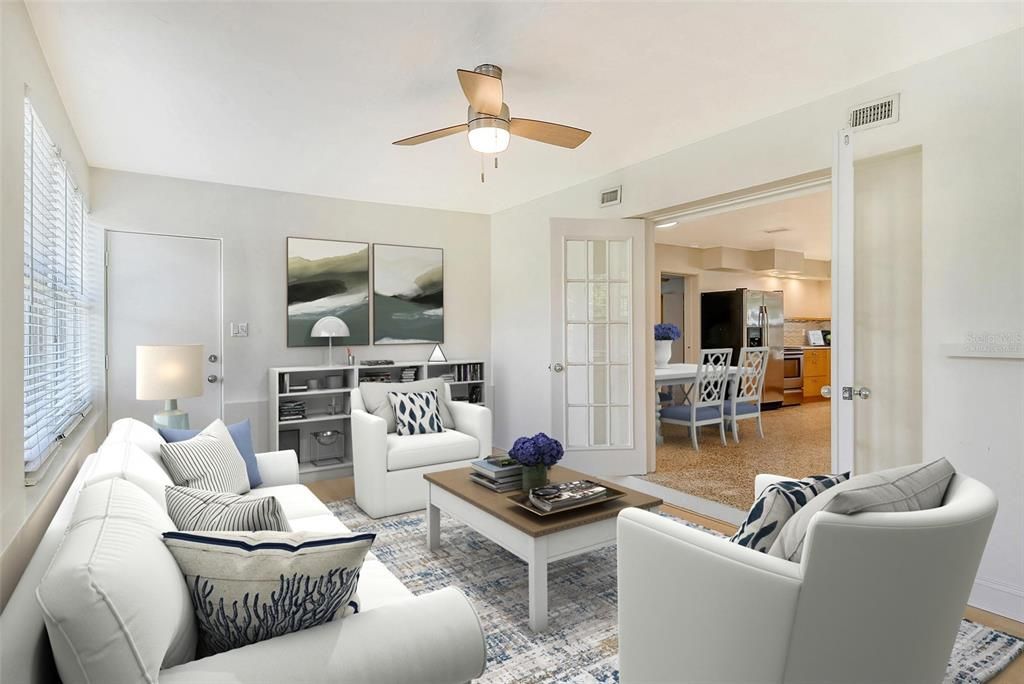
{"x": 488, "y": 122}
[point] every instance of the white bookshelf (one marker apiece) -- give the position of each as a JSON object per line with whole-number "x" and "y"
{"x": 288, "y": 384}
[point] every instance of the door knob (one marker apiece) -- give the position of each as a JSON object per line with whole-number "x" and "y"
{"x": 826, "y": 391}
{"x": 849, "y": 393}
{"x": 211, "y": 378}
{"x": 557, "y": 367}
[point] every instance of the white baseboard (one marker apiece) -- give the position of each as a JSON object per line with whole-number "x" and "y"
{"x": 998, "y": 597}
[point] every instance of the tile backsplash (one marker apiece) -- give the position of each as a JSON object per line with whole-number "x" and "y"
{"x": 794, "y": 332}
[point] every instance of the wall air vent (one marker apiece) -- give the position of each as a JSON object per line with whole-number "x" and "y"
{"x": 611, "y": 196}
{"x": 875, "y": 113}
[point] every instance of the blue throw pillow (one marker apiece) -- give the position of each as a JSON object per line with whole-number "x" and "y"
{"x": 241, "y": 435}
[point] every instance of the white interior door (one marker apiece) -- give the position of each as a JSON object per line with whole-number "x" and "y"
{"x": 876, "y": 389}
{"x": 598, "y": 360}
{"x": 842, "y": 388}
{"x": 162, "y": 289}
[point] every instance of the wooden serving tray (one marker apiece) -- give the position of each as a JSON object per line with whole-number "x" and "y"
{"x": 523, "y": 501}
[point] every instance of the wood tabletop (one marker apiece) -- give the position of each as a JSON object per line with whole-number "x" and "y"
{"x": 457, "y": 482}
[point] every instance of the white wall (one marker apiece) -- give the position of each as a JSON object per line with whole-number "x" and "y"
{"x": 22, "y": 65}
{"x": 253, "y": 225}
{"x": 964, "y": 110}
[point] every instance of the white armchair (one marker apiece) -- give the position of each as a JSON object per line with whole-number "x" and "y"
{"x": 389, "y": 468}
{"x": 877, "y": 597}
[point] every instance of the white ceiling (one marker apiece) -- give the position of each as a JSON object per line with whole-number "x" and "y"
{"x": 307, "y": 97}
{"x": 808, "y": 218}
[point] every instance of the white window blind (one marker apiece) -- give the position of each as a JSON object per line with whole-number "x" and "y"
{"x": 57, "y": 374}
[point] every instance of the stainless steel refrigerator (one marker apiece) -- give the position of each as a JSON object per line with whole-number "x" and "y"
{"x": 747, "y": 318}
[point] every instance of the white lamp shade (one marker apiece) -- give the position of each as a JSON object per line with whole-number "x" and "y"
{"x": 330, "y": 326}
{"x": 168, "y": 371}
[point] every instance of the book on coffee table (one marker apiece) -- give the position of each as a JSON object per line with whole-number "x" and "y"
{"x": 556, "y": 497}
{"x": 496, "y": 471}
{"x": 507, "y": 485}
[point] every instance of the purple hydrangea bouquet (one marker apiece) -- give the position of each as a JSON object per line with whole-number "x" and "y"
{"x": 536, "y": 454}
{"x": 666, "y": 331}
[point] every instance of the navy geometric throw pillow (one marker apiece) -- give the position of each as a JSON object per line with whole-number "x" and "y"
{"x": 776, "y": 505}
{"x": 416, "y": 413}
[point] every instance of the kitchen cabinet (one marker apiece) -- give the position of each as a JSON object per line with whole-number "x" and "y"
{"x": 817, "y": 372}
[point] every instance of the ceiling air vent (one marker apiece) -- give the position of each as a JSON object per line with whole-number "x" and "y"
{"x": 875, "y": 113}
{"x": 611, "y": 196}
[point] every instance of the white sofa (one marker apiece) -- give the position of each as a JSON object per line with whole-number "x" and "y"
{"x": 116, "y": 504}
{"x": 389, "y": 468}
{"x": 877, "y": 597}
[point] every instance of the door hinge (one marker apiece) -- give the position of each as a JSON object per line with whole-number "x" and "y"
{"x": 106, "y": 362}
{"x": 106, "y": 258}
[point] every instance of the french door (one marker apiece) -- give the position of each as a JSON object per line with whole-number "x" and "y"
{"x": 162, "y": 290}
{"x": 598, "y": 353}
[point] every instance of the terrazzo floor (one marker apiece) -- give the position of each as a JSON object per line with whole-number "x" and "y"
{"x": 796, "y": 443}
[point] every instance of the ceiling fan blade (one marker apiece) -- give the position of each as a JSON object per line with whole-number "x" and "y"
{"x": 482, "y": 91}
{"x": 550, "y": 133}
{"x": 432, "y": 135}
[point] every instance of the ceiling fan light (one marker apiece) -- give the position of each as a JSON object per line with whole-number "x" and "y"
{"x": 489, "y": 139}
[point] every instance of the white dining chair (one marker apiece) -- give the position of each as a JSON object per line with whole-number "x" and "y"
{"x": 705, "y": 408}
{"x": 744, "y": 400}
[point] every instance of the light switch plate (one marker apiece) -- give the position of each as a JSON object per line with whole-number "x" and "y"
{"x": 239, "y": 329}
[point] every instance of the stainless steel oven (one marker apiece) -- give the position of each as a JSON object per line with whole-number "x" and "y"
{"x": 793, "y": 376}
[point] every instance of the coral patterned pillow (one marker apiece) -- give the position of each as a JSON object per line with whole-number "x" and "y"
{"x": 250, "y": 586}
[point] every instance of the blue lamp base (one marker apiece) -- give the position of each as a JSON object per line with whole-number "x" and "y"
{"x": 171, "y": 417}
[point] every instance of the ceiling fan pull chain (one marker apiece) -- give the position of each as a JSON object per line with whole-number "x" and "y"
{"x": 495, "y": 161}
{"x": 482, "y": 169}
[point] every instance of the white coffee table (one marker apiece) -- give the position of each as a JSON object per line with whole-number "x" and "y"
{"x": 535, "y": 539}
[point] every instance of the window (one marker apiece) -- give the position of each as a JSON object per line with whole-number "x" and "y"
{"x": 57, "y": 373}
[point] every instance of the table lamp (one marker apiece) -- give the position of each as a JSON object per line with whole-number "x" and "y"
{"x": 169, "y": 372}
{"x": 330, "y": 327}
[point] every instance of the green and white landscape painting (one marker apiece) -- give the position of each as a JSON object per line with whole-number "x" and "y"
{"x": 408, "y": 294}
{"x": 328, "y": 278}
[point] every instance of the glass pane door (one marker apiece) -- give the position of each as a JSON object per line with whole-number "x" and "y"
{"x": 597, "y": 334}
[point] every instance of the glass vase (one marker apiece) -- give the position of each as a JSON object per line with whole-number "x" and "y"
{"x": 534, "y": 476}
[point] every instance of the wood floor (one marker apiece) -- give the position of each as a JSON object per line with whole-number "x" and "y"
{"x": 344, "y": 488}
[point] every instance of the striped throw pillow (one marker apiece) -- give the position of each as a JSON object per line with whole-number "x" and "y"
{"x": 416, "y": 413}
{"x": 251, "y": 586}
{"x": 200, "y": 510}
{"x": 776, "y": 505}
{"x": 209, "y": 461}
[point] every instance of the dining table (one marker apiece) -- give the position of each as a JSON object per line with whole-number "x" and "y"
{"x": 674, "y": 374}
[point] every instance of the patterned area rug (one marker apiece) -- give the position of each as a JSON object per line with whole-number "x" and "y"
{"x": 580, "y": 645}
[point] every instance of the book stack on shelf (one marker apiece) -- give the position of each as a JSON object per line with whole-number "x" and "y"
{"x": 497, "y": 474}
{"x": 409, "y": 374}
{"x": 291, "y": 410}
{"x": 557, "y": 497}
